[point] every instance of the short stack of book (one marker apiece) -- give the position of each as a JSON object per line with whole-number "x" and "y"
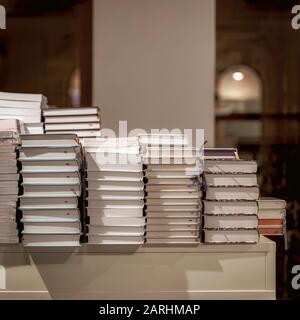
{"x": 85, "y": 122}
{"x": 9, "y": 179}
{"x": 115, "y": 191}
{"x": 173, "y": 190}
{"x": 271, "y": 217}
{"x": 51, "y": 183}
{"x": 24, "y": 107}
{"x": 229, "y": 206}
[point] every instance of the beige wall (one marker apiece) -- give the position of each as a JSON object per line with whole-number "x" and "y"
{"x": 154, "y": 63}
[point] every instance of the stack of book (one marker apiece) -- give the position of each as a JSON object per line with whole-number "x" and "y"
{"x": 229, "y": 206}
{"x": 173, "y": 190}
{"x": 271, "y": 217}
{"x": 9, "y": 179}
{"x": 85, "y": 122}
{"x": 115, "y": 191}
{"x": 51, "y": 184}
{"x": 24, "y": 107}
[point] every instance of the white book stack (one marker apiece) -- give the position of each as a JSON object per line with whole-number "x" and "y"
{"x": 85, "y": 122}
{"x": 9, "y": 179}
{"x": 173, "y": 194}
{"x": 51, "y": 181}
{"x": 115, "y": 191}
{"x": 22, "y": 106}
{"x": 230, "y": 208}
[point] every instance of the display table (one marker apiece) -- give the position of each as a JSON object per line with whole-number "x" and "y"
{"x": 122, "y": 272}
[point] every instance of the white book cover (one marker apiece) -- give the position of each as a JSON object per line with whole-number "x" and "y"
{"x": 34, "y": 128}
{"x": 172, "y": 235}
{"x": 171, "y": 215}
{"x": 113, "y": 176}
{"x": 230, "y": 207}
{"x": 114, "y": 213}
{"x": 230, "y": 222}
{"x": 150, "y": 188}
{"x": 52, "y": 228}
{"x": 111, "y": 143}
{"x": 177, "y": 241}
{"x": 51, "y": 215}
{"x": 231, "y": 236}
{"x": 232, "y": 193}
{"x": 51, "y": 178}
{"x": 52, "y": 190}
{"x": 114, "y": 240}
{"x": 173, "y": 228}
{"x": 111, "y": 222}
{"x": 48, "y": 154}
{"x": 116, "y": 204}
{"x": 173, "y": 195}
{"x": 72, "y": 126}
{"x": 172, "y": 181}
{"x": 98, "y": 167}
{"x": 57, "y": 112}
{"x": 174, "y": 168}
{"x": 271, "y": 214}
{"x": 32, "y": 203}
{"x": 231, "y": 180}
{"x": 230, "y": 166}
{"x": 172, "y": 174}
{"x": 271, "y": 203}
{"x": 50, "y": 166}
{"x": 173, "y": 202}
{"x": 173, "y": 221}
{"x": 72, "y": 119}
{"x": 115, "y": 185}
{"x": 68, "y": 140}
{"x": 117, "y": 231}
{"x": 115, "y": 195}
{"x": 55, "y": 240}
{"x": 80, "y": 134}
{"x": 172, "y": 208}
{"x": 20, "y": 105}
{"x": 22, "y": 97}
{"x": 26, "y": 119}
{"x": 20, "y": 112}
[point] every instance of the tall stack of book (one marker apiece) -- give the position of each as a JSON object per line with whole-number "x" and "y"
{"x": 230, "y": 207}
{"x": 173, "y": 191}
{"x": 9, "y": 179}
{"x": 51, "y": 184}
{"x": 21, "y": 106}
{"x": 115, "y": 191}
{"x": 85, "y": 122}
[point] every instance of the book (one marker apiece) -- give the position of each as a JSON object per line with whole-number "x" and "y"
{"x": 231, "y": 180}
{"x": 220, "y": 153}
{"x": 72, "y": 119}
{"x": 61, "y": 112}
{"x": 231, "y": 236}
{"x": 230, "y": 166}
{"x": 231, "y": 222}
{"x": 232, "y": 193}
{"x": 72, "y": 126}
{"x": 51, "y": 240}
{"x": 230, "y": 207}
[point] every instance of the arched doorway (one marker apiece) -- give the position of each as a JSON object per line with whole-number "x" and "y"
{"x": 239, "y": 105}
